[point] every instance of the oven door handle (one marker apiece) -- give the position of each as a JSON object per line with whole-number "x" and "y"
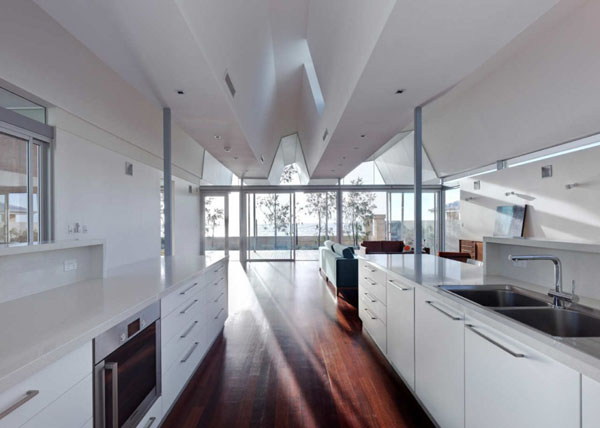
{"x": 114, "y": 369}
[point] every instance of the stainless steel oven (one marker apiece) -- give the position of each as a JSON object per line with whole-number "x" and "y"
{"x": 127, "y": 370}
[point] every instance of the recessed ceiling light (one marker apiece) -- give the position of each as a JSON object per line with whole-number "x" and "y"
{"x": 339, "y": 164}
{"x": 262, "y": 159}
{"x": 227, "y": 148}
{"x": 400, "y": 91}
{"x": 362, "y": 135}
{"x": 235, "y": 157}
{"x": 180, "y": 92}
{"x": 343, "y": 157}
{"x": 333, "y": 170}
{"x": 218, "y": 137}
{"x": 356, "y": 148}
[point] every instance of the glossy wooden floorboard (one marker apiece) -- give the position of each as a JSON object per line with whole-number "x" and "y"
{"x": 291, "y": 355}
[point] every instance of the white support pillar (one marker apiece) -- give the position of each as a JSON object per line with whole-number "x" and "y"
{"x": 168, "y": 198}
{"x": 418, "y": 181}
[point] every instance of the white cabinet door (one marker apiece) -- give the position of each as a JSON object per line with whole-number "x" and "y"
{"x": 439, "y": 359}
{"x": 509, "y": 385}
{"x": 401, "y": 329}
{"x": 590, "y": 408}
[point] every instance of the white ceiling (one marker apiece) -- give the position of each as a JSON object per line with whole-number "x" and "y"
{"x": 362, "y": 52}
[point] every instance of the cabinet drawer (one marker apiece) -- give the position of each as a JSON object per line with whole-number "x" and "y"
{"x": 179, "y": 319}
{"x": 373, "y": 324}
{"x": 376, "y": 288}
{"x": 177, "y": 298}
{"x": 50, "y": 383}
{"x": 374, "y": 305}
{"x": 216, "y": 289}
{"x": 373, "y": 272}
{"x": 71, "y": 410}
{"x": 176, "y": 377}
{"x": 181, "y": 341}
{"x": 153, "y": 416}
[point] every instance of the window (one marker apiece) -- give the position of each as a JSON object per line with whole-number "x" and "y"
{"x": 452, "y": 219}
{"x": 20, "y": 105}
{"x": 23, "y": 167}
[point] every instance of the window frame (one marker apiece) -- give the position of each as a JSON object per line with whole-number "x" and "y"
{"x": 35, "y": 134}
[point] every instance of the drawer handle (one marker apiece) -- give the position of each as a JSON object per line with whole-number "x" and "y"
{"x": 372, "y": 299}
{"x": 370, "y": 281}
{"x": 28, "y": 396}
{"x": 219, "y": 281}
{"x": 399, "y": 286}
{"x": 493, "y": 342}
{"x": 219, "y": 313}
{"x": 373, "y": 317}
{"x": 150, "y": 422}
{"x": 220, "y": 295}
{"x": 184, "y": 335}
{"x": 188, "y": 307}
{"x": 449, "y": 315}
{"x": 217, "y": 270}
{"x": 190, "y": 352}
{"x": 188, "y": 289}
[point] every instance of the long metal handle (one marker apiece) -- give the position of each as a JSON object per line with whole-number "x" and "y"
{"x": 188, "y": 289}
{"x": 189, "y": 353}
{"x": 399, "y": 286}
{"x": 217, "y": 299}
{"x": 28, "y": 396}
{"x": 449, "y": 315}
{"x": 185, "y": 333}
{"x": 373, "y": 317}
{"x": 187, "y": 308}
{"x": 493, "y": 342}
{"x": 219, "y": 281}
{"x": 150, "y": 422}
{"x": 370, "y": 281}
{"x": 219, "y": 313}
{"x": 217, "y": 270}
{"x": 114, "y": 369}
{"x": 370, "y": 298}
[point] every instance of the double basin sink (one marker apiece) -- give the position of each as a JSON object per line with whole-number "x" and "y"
{"x": 529, "y": 308}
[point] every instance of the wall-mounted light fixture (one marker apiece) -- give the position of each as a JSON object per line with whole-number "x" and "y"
{"x": 571, "y": 186}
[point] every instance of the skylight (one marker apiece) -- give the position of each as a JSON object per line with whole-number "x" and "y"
{"x": 311, "y": 74}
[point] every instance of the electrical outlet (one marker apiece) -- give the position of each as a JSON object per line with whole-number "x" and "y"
{"x": 520, "y": 263}
{"x": 70, "y": 265}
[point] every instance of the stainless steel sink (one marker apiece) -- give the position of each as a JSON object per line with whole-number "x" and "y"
{"x": 495, "y": 296}
{"x": 556, "y": 321}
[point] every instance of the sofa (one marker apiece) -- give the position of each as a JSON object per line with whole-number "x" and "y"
{"x": 382, "y": 247}
{"x": 339, "y": 265}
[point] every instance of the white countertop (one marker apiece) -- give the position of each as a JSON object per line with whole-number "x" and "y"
{"x": 41, "y": 328}
{"x": 581, "y": 354}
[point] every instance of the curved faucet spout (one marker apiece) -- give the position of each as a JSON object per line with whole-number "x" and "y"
{"x": 557, "y": 271}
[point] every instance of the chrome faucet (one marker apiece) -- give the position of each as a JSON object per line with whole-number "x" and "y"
{"x": 559, "y": 297}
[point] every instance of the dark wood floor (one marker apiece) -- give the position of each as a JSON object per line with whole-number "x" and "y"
{"x": 292, "y": 356}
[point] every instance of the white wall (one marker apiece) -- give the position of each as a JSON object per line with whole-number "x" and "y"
{"x": 556, "y": 213}
{"x": 91, "y": 188}
{"x": 41, "y": 57}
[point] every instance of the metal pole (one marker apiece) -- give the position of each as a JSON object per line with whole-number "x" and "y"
{"x": 339, "y": 214}
{"x": 167, "y": 181}
{"x": 243, "y": 245}
{"x": 418, "y": 181}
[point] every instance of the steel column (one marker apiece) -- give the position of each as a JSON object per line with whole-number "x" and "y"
{"x": 418, "y": 146}
{"x": 167, "y": 182}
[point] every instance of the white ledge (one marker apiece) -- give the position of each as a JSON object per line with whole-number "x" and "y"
{"x": 14, "y": 249}
{"x": 541, "y": 243}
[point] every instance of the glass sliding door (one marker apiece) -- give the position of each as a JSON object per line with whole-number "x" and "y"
{"x": 216, "y": 224}
{"x": 316, "y": 222}
{"x": 402, "y": 219}
{"x": 271, "y": 228}
{"x": 364, "y": 217}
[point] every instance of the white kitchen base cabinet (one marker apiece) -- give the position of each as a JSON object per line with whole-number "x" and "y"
{"x": 510, "y": 385}
{"x": 590, "y": 403}
{"x": 439, "y": 359}
{"x": 401, "y": 328}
